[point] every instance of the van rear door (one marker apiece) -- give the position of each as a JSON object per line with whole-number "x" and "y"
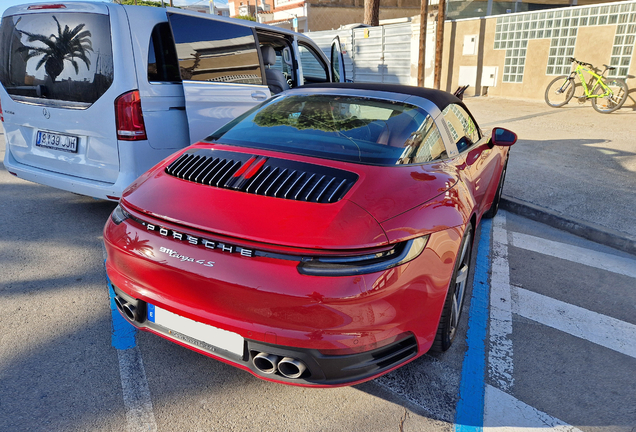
{"x": 160, "y": 86}
{"x": 57, "y": 69}
{"x": 221, "y": 69}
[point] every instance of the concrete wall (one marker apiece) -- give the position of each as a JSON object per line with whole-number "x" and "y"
{"x": 323, "y": 17}
{"x": 598, "y": 43}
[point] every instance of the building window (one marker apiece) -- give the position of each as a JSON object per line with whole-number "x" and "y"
{"x": 513, "y": 32}
{"x": 623, "y": 48}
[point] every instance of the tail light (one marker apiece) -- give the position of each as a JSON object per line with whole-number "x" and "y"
{"x": 351, "y": 265}
{"x": 129, "y": 118}
{"x": 1, "y": 114}
{"x": 47, "y": 6}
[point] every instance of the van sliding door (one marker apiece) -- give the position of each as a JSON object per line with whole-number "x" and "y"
{"x": 221, "y": 71}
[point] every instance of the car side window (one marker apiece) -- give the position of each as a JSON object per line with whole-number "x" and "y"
{"x": 284, "y": 64}
{"x": 461, "y": 126}
{"x": 215, "y": 51}
{"x": 163, "y": 65}
{"x": 424, "y": 145}
{"x": 314, "y": 69}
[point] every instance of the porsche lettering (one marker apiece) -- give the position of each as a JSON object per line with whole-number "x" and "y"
{"x": 197, "y": 241}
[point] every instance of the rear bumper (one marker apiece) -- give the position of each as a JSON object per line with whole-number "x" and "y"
{"x": 345, "y": 329}
{"x": 323, "y": 370}
{"x": 66, "y": 182}
{"x": 84, "y": 186}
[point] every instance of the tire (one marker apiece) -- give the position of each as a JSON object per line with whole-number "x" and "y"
{"x": 451, "y": 314}
{"x": 613, "y": 102}
{"x": 560, "y": 91}
{"x": 494, "y": 207}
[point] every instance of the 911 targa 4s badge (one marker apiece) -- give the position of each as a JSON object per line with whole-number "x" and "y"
{"x": 338, "y": 223}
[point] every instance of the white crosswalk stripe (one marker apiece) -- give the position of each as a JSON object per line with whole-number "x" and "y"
{"x": 600, "y": 260}
{"x": 606, "y": 331}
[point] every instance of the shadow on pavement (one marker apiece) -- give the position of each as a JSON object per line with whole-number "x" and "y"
{"x": 630, "y": 103}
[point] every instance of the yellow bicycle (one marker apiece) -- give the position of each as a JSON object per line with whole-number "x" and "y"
{"x": 607, "y": 95}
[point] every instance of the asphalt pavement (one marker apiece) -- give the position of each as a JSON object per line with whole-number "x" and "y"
{"x": 572, "y": 168}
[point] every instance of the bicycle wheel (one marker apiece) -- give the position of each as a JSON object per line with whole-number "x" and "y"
{"x": 608, "y": 104}
{"x": 559, "y": 91}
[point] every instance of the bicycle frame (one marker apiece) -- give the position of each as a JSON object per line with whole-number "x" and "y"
{"x": 599, "y": 81}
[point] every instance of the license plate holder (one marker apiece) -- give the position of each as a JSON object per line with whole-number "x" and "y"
{"x": 57, "y": 141}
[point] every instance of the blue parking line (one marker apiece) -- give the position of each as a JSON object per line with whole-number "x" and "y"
{"x": 123, "y": 333}
{"x": 469, "y": 416}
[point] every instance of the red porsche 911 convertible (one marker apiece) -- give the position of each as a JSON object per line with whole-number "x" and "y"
{"x": 322, "y": 238}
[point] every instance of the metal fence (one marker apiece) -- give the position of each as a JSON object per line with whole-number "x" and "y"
{"x": 380, "y": 54}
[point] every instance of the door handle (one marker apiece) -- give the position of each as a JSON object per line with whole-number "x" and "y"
{"x": 259, "y": 96}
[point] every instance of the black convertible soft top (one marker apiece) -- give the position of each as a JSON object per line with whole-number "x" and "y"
{"x": 440, "y": 98}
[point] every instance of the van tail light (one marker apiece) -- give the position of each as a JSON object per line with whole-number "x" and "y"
{"x": 1, "y": 114}
{"x": 129, "y": 118}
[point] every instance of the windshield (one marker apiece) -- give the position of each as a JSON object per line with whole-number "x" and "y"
{"x": 56, "y": 58}
{"x": 351, "y": 129}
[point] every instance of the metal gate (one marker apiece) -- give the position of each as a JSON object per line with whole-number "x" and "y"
{"x": 380, "y": 54}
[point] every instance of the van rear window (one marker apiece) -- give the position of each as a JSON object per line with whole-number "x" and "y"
{"x": 62, "y": 59}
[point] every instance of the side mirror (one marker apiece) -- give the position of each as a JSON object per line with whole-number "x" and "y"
{"x": 503, "y": 137}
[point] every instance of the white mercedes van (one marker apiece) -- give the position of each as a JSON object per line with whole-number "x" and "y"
{"x": 94, "y": 94}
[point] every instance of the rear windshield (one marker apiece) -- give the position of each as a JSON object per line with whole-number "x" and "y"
{"x": 351, "y": 129}
{"x": 63, "y": 59}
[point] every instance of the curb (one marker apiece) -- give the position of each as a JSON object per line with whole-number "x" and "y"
{"x": 587, "y": 230}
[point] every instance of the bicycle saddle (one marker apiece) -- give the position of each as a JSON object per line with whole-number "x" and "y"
{"x": 609, "y": 67}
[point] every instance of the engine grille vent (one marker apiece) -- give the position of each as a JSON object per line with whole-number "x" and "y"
{"x": 259, "y": 175}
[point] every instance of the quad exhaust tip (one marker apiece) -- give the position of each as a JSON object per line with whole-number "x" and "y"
{"x": 291, "y": 368}
{"x": 288, "y": 367}
{"x": 119, "y": 302}
{"x": 131, "y": 312}
{"x": 128, "y": 309}
{"x": 266, "y": 363}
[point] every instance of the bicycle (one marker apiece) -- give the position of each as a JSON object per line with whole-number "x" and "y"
{"x": 607, "y": 96}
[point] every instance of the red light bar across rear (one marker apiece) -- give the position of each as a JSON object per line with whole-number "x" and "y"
{"x": 47, "y": 6}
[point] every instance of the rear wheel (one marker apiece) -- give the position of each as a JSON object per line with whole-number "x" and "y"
{"x": 560, "y": 91}
{"x": 494, "y": 208}
{"x": 452, "y": 311}
{"x": 608, "y": 104}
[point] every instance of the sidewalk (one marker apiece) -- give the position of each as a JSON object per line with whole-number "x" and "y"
{"x": 572, "y": 167}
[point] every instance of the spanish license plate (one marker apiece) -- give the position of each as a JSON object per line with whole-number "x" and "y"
{"x": 57, "y": 141}
{"x": 192, "y": 332}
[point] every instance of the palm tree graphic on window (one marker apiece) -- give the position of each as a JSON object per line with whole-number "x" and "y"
{"x": 68, "y": 45}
